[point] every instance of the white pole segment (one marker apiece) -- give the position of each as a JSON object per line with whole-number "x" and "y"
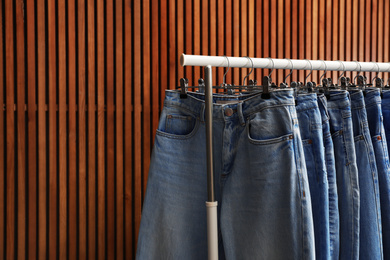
{"x": 266, "y": 63}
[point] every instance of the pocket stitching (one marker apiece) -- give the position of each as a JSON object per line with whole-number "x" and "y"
{"x": 183, "y": 137}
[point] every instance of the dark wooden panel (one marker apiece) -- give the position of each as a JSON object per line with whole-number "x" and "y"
{"x": 42, "y": 159}
{"x": 10, "y": 145}
{"x": 2, "y": 139}
{"x": 92, "y": 207}
{"x": 21, "y": 130}
{"x": 71, "y": 134}
{"x": 82, "y": 144}
{"x": 128, "y": 151}
{"x": 119, "y": 131}
{"x": 101, "y": 134}
{"x": 52, "y": 156}
{"x": 32, "y": 127}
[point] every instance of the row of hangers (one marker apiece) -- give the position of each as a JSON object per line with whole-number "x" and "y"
{"x": 343, "y": 83}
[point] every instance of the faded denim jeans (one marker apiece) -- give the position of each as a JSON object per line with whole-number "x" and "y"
{"x": 261, "y": 182}
{"x": 339, "y": 108}
{"x": 310, "y": 124}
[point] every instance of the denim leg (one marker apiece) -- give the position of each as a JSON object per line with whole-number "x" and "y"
{"x": 339, "y": 108}
{"x": 370, "y": 214}
{"x": 334, "y": 218}
{"x": 310, "y": 123}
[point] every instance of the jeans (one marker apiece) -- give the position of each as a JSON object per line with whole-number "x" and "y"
{"x": 370, "y": 214}
{"x": 334, "y": 218}
{"x": 310, "y": 124}
{"x": 378, "y": 137}
{"x": 261, "y": 182}
{"x": 339, "y": 108}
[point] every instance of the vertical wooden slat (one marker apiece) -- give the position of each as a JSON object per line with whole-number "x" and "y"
{"x": 236, "y": 41}
{"x": 110, "y": 179}
{"x": 279, "y": 42}
{"x": 243, "y": 38}
{"x": 386, "y": 33}
{"x": 294, "y": 38}
{"x": 361, "y": 31}
{"x": 2, "y": 144}
{"x": 355, "y": 35}
{"x": 62, "y": 131}
{"x": 32, "y": 142}
{"x": 42, "y": 169}
{"x": 171, "y": 45}
{"x": 187, "y": 48}
{"x": 71, "y": 133}
{"x": 321, "y": 35}
{"x": 368, "y": 35}
{"x": 220, "y": 37}
{"x": 195, "y": 37}
{"x": 82, "y": 216}
{"x": 348, "y": 34}
{"x": 335, "y": 33}
{"x": 301, "y": 36}
{"x": 52, "y": 242}
{"x": 101, "y": 235}
{"x": 374, "y": 33}
{"x": 380, "y": 31}
{"x": 213, "y": 32}
{"x": 92, "y": 241}
{"x": 341, "y": 39}
{"x": 287, "y": 34}
{"x": 137, "y": 116}
{"x": 155, "y": 73}
{"x": 314, "y": 37}
{"x": 228, "y": 37}
{"x": 128, "y": 154}
{"x": 146, "y": 146}
{"x": 329, "y": 33}
{"x": 10, "y": 183}
{"x": 21, "y": 130}
{"x": 119, "y": 131}
{"x": 308, "y": 42}
{"x": 251, "y": 30}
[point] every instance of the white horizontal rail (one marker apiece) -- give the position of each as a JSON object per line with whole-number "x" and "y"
{"x": 267, "y": 63}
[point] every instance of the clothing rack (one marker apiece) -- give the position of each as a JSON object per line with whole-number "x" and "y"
{"x": 245, "y": 62}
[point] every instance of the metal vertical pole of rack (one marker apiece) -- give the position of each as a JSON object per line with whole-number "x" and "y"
{"x": 211, "y": 204}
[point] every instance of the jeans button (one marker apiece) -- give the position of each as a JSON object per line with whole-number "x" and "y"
{"x": 228, "y": 111}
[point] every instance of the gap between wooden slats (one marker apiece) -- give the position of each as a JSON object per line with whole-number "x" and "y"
{"x": 2, "y": 138}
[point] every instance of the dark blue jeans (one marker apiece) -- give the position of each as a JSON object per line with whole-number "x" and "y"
{"x": 310, "y": 125}
{"x": 339, "y": 108}
{"x": 334, "y": 218}
{"x": 370, "y": 213}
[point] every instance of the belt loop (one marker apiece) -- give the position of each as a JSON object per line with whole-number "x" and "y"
{"x": 240, "y": 114}
{"x": 202, "y": 111}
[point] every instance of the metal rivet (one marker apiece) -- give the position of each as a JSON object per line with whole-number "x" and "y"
{"x": 379, "y": 138}
{"x": 228, "y": 111}
{"x": 310, "y": 141}
{"x": 361, "y": 137}
{"x": 169, "y": 116}
{"x": 291, "y": 137}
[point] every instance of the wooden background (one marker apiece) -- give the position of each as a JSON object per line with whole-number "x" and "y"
{"x": 82, "y": 84}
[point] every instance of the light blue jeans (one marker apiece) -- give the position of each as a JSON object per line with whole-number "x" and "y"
{"x": 375, "y": 122}
{"x": 310, "y": 124}
{"x": 260, "y": 181}
{"x": 334, "y": 218}
{"x": 339, "y": 108}
{"x": 370, "y": 213}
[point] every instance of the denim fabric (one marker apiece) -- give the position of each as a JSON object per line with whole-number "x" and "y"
{"x": 310, "y": 124}
{"x": 386, "y": 114}
{"x": 378, "y": 137}
{"x": 370, "y": 214}
{"x": 260, "y": 181}
{"x": 339, "y": 108}
{"x": 334, "y": 218}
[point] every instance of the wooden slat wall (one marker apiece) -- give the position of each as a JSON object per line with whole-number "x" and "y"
{"x": 82, "y": 86}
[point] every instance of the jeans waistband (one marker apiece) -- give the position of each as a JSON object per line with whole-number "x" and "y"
{"x": 357, "y": 99}
{"x": 227, "y": 107}
{"x": 306, "y": 102}
{"x": 372, "y": 97}
{"x": 339, "y": 99}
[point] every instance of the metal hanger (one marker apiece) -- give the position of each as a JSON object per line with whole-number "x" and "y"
{"x": 266, "y": 83}
{"x": 284, "y": 84}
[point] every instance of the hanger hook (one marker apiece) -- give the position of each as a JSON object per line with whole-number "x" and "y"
{"x": 249, "y": 72}
{"x": 291, "y": 71}
{"x": 311, "y": 70}
{"x": 376, "y": 75}
{"x": 273, "y": 66}
{"x": 360, "y": 70}
{"x": 224, "y": 75}
{"x": 326, "y": 70}
{"x": 338, "y": 80}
